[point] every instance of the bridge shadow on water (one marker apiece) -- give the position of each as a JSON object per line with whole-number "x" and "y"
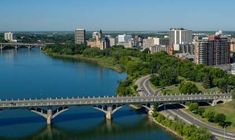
{"x": 68, "y": 116}
{"x": 102, "y": 128}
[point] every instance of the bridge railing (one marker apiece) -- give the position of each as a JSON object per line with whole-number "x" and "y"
{"x": 108, "y": 100}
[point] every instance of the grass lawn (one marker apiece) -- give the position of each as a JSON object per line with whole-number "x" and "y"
{"x": 174, "y": 89}
{"x": 228, "y": 109}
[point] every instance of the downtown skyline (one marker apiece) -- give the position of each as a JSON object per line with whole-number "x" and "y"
{"x": 121, "y": 15}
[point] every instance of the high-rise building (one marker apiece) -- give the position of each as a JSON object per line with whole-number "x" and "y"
{"x": 179, "y": 36}
{"x": 8, "y": 36}
{"x": 80, "y": 36}
{"x": 213, "y": 50}
{"x": 232, "y": 45}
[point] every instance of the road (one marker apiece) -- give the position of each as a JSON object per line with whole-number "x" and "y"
{"x": 143, "y": 83}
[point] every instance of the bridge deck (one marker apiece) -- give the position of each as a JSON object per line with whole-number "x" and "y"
{"x": 117, "y": 100}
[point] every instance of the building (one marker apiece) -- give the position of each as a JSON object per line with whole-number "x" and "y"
{"x": 233, "y": 68}
{"x": 232, "y": 45}
{"x": 99, "y": 41}
{"x": 138, "y": 41}
{"x": 179, "y": 36}
{"x": 8, "y": 36}
{"x": 161, "y": 41}
{"x": 158, "y": 48}
{"x": 186, "y": 49}
{"x": 112, "y": 40}
{"x": 80, "y": 36}
{"x": 213, "y": 50}
{"x": 125, "y": 40}
{"x": 148, "y": 42}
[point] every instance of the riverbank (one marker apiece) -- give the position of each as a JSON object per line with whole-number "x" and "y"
{"x": 101, "y": 61}
{"x": 167, "y": 128}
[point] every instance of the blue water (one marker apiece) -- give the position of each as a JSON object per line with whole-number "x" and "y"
{"x": 33, "y": 74}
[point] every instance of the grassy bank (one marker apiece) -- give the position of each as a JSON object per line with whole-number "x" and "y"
{"x": 101, "y": 61}
{"x": 228, "y": 109}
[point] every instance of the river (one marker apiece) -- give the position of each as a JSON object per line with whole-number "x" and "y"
{"x": 32, "y": 74}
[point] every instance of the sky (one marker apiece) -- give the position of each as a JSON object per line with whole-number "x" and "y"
{"x": 116, "y": 15}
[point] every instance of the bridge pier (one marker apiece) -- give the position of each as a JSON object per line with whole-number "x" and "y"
{"x": 108, "y": 114}
{"x": 151, "y": 110}
{"x": 49, "y": 116}
{"x": 108, "y": 110}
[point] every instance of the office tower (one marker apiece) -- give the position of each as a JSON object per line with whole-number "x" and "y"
{"x": 179, "y": 36}
{"x": 80, "y": 36}
{"x": 8, "y": 36}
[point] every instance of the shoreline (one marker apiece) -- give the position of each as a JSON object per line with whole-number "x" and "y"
{"x": 166, "y": 128}
{"x": 95, "y": 60}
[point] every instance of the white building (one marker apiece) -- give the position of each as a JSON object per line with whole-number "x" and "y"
{"x": 112, "y": 41}
{"x": 125, "y": 40}
{"x": 180, "y": 36}
{"x": 8, "y": 36}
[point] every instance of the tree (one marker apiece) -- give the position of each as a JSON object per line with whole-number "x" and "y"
{"x": 188, "y": 87}
{"x": 193, "y": 107}
{"x": 220, "y": 118}
{"x": 222, "y": 83}
{"x": 155, "y": 80}
{"x": 168, "y": 76}
{"x": 210, "y": 115}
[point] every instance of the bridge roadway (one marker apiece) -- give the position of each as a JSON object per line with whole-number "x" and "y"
{"x": 50, "y": 108}
{"x": 18, "y": 44}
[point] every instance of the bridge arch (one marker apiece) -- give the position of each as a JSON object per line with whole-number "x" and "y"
{"x": 109, "y": 110}
{"x": 49, "y": 114}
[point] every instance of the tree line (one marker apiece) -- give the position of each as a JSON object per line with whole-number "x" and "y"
{"x": 166, "y": 68}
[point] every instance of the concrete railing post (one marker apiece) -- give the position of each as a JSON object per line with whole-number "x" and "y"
{"x": 49, "y": 116}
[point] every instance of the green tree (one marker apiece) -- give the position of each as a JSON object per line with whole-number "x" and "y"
{"x": 220, "y": 118}
{"x": 168, "y": 76}
{"x": 188, "y": 87}
{"x": 193, "y": 107}
{"x": 210, "y": 115}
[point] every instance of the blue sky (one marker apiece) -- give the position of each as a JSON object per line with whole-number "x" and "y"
{"x": 131, "y": 15}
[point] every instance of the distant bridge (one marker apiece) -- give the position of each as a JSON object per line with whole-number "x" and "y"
{"x": 17, "y": 45}
{"x": 50, "y": 108}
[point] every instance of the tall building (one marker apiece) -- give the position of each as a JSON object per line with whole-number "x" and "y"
{"x": 232, "y": 45}
{"x": 8, "y": 36}
{"x": 214, "y": 50}
{"x": 179, "y": 36}
{"x": 80, "y": 36}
